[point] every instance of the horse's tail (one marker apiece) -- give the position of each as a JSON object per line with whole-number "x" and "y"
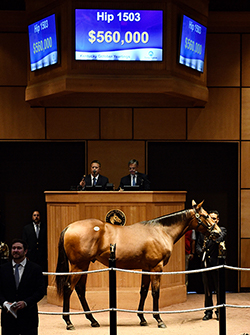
{"x": 62, "y": 265}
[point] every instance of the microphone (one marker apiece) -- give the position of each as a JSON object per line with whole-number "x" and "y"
{"x": 94, "y": 172}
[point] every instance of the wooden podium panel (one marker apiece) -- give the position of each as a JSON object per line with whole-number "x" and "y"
{"x": 66, "y": 207}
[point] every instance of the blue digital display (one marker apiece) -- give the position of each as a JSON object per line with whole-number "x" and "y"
{"x": 43, "y": 43}
{"x": 193, "y": 43}
{"x": 122, "y": 35}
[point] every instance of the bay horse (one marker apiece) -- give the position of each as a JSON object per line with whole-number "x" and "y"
{"x": 145, "y": 245}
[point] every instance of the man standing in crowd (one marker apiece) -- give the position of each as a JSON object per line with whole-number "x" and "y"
{"x": 94, "y": 178}
{"x": 135, "y": 177}
{"x": 209, "y": 251}
{"x": 35, "y": 235}
{"x": 21, "y": 287}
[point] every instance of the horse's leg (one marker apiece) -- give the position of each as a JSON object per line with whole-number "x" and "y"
{"x": 155, "y": 286}
{"x": 145, "y": 281}
{"x": 81, "y": 290}
{"x": 67, "y": 291}
{"x": 66, "y": 299}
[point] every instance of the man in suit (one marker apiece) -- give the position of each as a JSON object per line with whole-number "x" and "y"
{"x": 35, "y": 235}
{"x": 208, "y": 250}
{"x": 135, "y": 177}
{"x": 94, "y": 178}
{"x": 21, "y": 284}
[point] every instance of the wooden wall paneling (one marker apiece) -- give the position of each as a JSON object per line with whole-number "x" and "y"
{"x": 219, "y": 120}
{"x": 160, "y": 123}
{"x": 116, "y": 123}
{"x": 245, "y": 214}
{"x": 223, "y": 60}
{"x": 72, "y": 123}
{"x": 13, "y": 59}
{"x": 245, "y": 262}
{"x": 60, "y": 216}
{"x": 245, "y": 70}
{"x": 118, "y": 100}
{"x": 245, "y": 107}
{"x": 13, "y": 21}
{"x": 229, "y": 22}
{"x": 245, "y": 162}
{"x": 114, "y": 157}
{"x": 18, "y": 119}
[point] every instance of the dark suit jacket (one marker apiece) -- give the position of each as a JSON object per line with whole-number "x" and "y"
{"x": 30, "y": 290}
{"x": 211, "y": 247}
{"x": 100, "y": 181}
{"x": 142, "y": 181}
{"x": 37, "y": 247}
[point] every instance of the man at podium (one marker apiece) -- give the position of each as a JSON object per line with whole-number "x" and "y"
{"x": 94, "y": 180}
{"x": 135, "y": 181}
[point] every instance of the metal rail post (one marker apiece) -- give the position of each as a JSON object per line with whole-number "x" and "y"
{"x": 112, "y": 291}
{"x": 222, "y": 297}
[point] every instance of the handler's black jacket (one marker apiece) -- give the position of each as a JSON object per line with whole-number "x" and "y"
{"x": 211, "y": 248}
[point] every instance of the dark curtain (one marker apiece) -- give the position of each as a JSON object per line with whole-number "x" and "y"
{"x": 207, "y": 171}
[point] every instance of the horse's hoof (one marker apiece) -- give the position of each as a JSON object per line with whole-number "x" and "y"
{"x": 70, "y": 327}
{"x": 143, "y": 323}
{"x": 95, "y": 324}
{"x": 161, "y": 325}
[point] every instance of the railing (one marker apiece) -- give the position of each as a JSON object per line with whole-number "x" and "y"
{"x": 112, "y": 292}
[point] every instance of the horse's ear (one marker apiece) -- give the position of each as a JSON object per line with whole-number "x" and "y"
{"x": 200, "y": 205}
{"x": 197, "y": 206}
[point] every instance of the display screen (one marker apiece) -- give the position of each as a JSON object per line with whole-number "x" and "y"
{"x": 43, "y": 43}
{"x": 193, "y": 43}
{"x": 122, "y": 35}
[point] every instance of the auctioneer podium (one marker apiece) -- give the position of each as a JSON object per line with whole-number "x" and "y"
{"x": 69, "y": 206}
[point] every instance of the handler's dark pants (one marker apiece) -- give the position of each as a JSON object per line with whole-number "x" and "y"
{"x": 210, "y": 282}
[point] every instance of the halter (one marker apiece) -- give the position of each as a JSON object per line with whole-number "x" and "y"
{"x": 198, "y": 217}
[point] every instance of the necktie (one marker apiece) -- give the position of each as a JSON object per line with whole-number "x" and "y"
{"x": 17, "y": 275}
{"x": 37, "y": 230}
{"x": 94, "y": 181}
{"x": 133, "y": 180}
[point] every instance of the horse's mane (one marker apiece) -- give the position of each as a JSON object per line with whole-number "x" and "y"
{"x": 167, "y": 220}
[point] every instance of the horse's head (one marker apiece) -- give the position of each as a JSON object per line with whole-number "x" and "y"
{"x": 204, "y": 223}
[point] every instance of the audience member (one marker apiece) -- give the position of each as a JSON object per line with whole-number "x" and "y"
{"x": 135, "y": 177}
{"x": 35, "y": 235}
{"x": 21, "y": 287}
{"x": 94, "y": 178}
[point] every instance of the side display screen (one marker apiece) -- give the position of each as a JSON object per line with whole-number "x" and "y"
{"x": 43, "y": 43}
{"x": 193, "y": 44}
{"x": 120, "y": 35}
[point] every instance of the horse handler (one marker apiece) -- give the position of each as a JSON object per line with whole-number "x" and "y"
{"x": 21, "y": 287}
{"x": 209, "y": 251}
